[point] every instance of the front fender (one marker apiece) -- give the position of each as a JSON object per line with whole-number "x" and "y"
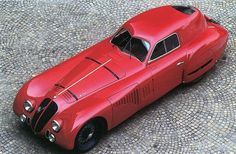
{"x": 75, "y": 120}
{"x": 37, "y": 87}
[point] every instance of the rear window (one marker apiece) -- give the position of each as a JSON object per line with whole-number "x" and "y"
{"x": 185, "y": 9}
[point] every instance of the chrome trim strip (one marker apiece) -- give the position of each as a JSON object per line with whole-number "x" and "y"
{"x": 82, "y": 78}
{"x": 108, "y": 69}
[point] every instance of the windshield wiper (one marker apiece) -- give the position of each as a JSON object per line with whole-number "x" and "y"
{"x": 130, "y": 47}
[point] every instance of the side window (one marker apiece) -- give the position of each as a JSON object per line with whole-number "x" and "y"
{"x": 159, "y": 50}
{"x": 172, "y": 42}
{"x": 165, "y": 46}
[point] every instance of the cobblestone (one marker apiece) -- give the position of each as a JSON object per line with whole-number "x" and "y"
{"x": 36, "y": 35}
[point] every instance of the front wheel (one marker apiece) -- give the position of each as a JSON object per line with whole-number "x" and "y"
{"x": 88, "y": 136}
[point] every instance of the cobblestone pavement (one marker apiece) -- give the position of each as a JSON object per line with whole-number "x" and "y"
{"x": 36, "y": 35}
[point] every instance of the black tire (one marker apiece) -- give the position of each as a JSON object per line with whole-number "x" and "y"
{"x": 200, "y": 77}
{"x": 88, "y": 136}
{"x": 197, "y": 79}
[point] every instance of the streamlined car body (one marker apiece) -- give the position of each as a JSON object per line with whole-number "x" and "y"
{"x": 73, "y": 103}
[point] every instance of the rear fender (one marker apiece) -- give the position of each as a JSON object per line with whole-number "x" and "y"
{"x": 204, "y": 52}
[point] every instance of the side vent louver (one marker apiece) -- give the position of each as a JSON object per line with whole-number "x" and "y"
{"x": 148, "y": 89}
{"x": 131, "y": 98}
{"x": 68, "y": 96}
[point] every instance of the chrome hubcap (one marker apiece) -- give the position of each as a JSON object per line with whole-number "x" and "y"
{"x": 87, "y": 135}
{"x": 90, "y": 135}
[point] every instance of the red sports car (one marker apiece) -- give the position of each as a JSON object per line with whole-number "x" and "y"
{"x": 75, "y": 102}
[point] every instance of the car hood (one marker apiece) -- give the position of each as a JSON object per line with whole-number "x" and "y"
{"x": 91, "y": 74}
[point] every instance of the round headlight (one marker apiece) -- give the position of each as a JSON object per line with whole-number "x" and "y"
{"x": 23, "y": 118}
{"x": 28, "y": 106}
{"x": 55, "y": 125}
{"x": 51, "y": 138}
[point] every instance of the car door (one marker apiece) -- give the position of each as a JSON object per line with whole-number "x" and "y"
{"x": 167, "y": 64}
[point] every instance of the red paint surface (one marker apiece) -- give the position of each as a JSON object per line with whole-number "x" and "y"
{"x": 140, "y": 83}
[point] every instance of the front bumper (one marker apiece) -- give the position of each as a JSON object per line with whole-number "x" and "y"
{"x": 64, "y": 138}
{"x": 61, "y": 138}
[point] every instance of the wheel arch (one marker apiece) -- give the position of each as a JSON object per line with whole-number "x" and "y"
{"x": 99, "y": 119}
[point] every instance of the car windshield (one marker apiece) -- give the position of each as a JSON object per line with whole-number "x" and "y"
{"x": 131, "y": 45}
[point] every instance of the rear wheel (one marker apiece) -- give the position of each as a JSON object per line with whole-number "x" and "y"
{"x": 197, "y": 79}
{"x": 89, "y": 136}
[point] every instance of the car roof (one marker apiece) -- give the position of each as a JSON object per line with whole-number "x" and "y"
{"x": 156, "y": 23}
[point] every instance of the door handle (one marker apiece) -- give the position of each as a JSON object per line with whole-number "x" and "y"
{"x": 180, "y": 63}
